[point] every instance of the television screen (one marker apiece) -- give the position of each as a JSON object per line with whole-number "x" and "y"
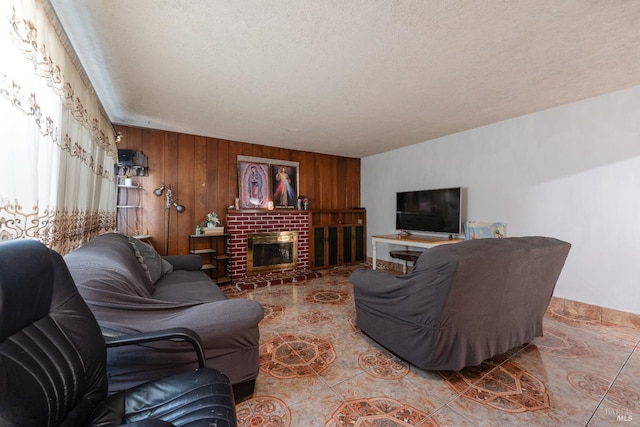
{"x": 435, "y": 211}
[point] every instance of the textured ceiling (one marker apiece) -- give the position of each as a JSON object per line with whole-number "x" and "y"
{"x": 350, "y": 78}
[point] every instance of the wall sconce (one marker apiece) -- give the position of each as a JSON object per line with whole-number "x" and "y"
{"x": 170, "y": 201}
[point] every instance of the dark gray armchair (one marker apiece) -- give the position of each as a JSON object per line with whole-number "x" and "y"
{"x": 53, "y": 358}
{"x": 463, "y": 302}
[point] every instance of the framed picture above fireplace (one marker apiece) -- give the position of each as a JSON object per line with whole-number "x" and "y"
{"x": 284, "y": 186}
{"x": 253, "y": 184}
{"x": 262, "y": 180}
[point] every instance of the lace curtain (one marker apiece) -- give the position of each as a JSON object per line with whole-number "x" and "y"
{"x": 57, "y": 149}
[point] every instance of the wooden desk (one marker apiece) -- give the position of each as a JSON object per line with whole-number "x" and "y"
{"x": 412, "y": 240}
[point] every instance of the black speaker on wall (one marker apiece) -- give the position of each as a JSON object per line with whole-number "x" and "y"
{"x": 125, "y": 157}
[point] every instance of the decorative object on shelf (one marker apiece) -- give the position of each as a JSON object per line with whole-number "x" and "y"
{"x": 127, "y": 181}
{"x": 170, "y": 202}
{"x": 122, "y": 170}
{"x": 211, "y": 224}
{"x": 212, "y": 220}
{"x": 483, "y": 230}
{"x": 140, "y": 159}
{"x": 304, "y": 202}
{"x": 131, "y": 163}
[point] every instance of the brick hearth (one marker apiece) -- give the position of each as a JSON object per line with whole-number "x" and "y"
{"x": 274, "y": 278}
{"x": 240, "y": 223}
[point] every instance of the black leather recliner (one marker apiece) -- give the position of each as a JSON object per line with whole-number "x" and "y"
{"x": 53, "y": 358}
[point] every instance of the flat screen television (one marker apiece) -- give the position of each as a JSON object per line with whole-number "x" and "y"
{"x": 433, "y": 211}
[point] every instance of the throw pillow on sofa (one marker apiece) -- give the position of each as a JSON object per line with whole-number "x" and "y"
{"x": 150, "y": 260}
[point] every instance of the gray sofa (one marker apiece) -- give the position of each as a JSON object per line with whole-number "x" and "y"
{"x": 462, "y": 303}
{"x": 130, "y": 288}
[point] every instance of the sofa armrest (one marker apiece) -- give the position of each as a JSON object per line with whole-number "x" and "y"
{"x": 180, "y": 334}
{"x": 418, "y": 297}
{"x": 185, "y": 262}
{"x": 376, "y": 281}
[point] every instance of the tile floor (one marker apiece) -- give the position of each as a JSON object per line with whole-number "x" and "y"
{"x": 318, "y": 369}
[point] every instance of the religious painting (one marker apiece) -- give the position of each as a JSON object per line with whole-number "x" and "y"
{"x": 253, "y": 184}
{"x": 284, "y": 186}
{"x": 267, "y": 183}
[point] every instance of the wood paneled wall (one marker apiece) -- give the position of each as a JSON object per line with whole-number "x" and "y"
{"x": 203, "y": 174}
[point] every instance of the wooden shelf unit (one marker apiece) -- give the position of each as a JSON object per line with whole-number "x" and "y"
{"x": 129, "y": 198}
{"x": 215, "y": 258}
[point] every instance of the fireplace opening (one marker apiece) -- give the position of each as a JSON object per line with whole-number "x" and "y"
{"x": 272, "y": 251}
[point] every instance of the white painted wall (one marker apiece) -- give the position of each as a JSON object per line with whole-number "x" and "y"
{"x": 571, "y": 172}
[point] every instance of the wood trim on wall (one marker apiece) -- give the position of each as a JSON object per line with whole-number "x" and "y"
{"x": 203, "y": 174}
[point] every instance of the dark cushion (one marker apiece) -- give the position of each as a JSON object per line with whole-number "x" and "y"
{"x": 202, "y": 395}
{"x": 154, "y": 265}
{"x": 184, "y": 286}
{"x": 190, "y": 262}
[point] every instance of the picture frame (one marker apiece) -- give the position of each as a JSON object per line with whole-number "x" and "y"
{"x": 267, "y": 183}
{"x": 253, "y": 184}
{"x": 284, "y": 186}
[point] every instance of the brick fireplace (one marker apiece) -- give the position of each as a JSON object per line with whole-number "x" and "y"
{"x": 241, "y": 223}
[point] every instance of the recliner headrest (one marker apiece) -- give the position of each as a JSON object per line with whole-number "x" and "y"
{"x": 25, "y": 270}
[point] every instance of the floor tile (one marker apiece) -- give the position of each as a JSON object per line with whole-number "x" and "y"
{"x": 319, "y": 369}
